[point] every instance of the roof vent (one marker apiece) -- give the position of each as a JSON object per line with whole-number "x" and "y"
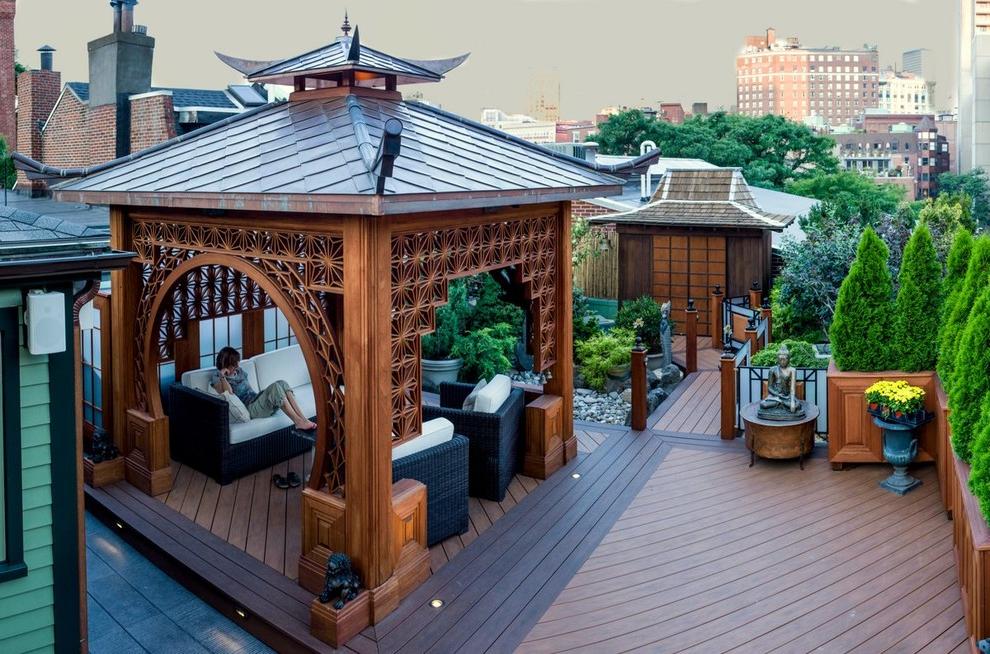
{"x": 47, "y": 57}
{"x": 141, "y": 29}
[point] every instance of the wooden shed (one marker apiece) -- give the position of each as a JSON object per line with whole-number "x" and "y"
{"x": 701, "y": 228}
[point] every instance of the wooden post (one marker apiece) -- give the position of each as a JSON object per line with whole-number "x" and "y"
{"x": 768, "y": 316}
{"x": 755, "y": 297}
{"x": 253, "y": 330}
{"x": 727, "y": 365}
{"x": 691, "y": 329}
{"x": 639, "y": 386}
{"x": 368, "y": 411}
{"x": 561, "y": 381}
{"x": 754, "y": 343}
{"x": 716, "y": 317}
{"x": 187, "y": 350}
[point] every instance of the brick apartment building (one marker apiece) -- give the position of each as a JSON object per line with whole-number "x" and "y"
{"x": 117, "y": 111}
{"x": 779, "y": 76}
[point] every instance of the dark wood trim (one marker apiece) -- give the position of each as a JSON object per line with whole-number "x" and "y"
{"x": 13, "y": 567}
{"x": 65, "y": 489}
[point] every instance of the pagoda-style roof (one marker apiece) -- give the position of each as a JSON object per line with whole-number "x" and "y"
{"x": 709, "y": 197}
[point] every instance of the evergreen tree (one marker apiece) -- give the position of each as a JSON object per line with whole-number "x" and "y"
{"x": 979, "y": 476}
{"x": 971, "y": 378}
{"x": 919, "y": 303}
{"x": 863, "y": 324}
{"x": 955, "y": 274}
{"x": 977, "y": 272}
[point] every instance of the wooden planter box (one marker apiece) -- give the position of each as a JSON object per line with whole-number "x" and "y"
{"x": 852, "y": 436}
{"x": 337, "y": 627}
{"x": 104, "y": 473}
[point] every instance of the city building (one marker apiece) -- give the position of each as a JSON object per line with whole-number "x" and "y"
{"x": 520, "y": 125}
{"x": 905, "y": 150}
{"x": 973, "y": 55}
{"x": 905, "y": 93}
{"x": 672, "y": 112}
{"x": 779, "y": 76}
{"x": 919, "y": 62}
{"x": 116, "y": 112}
{"x": 544, "y": 97}
{"x": 575, "y": 131}
{"x": 699, "y": 109}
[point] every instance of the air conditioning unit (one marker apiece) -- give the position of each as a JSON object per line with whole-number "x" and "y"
{"x": 44, "y": 317}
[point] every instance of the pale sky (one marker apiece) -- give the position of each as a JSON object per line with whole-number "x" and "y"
{"x": 604, "y": 52}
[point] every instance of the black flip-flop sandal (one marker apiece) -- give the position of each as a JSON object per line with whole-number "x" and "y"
{"x": 280, "y": 481}
{"x": 294, "y": 480}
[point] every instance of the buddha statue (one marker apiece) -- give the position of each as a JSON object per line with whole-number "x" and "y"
{"x": 781, "y": 402}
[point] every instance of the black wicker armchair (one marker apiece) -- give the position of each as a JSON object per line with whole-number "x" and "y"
{"x": 199, "y": 436}
{"x": 496, "y": 438}
{"x": 443, "y": 469}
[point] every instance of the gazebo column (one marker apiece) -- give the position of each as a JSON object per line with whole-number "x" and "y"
{"x": 561, "y": 381}
{"x": 141, "y": 437}
{"x": 368, "y": 409}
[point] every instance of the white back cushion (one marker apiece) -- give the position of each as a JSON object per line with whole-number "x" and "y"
{"x": 493, "y": 395}
{"x": 200, "y": 379}
{"x": 286, "y": 364}
{"x": 435, "y": 432}
{"x": 238, "y": 412}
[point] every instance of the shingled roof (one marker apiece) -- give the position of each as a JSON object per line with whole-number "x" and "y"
{"x": 711, "y": 197}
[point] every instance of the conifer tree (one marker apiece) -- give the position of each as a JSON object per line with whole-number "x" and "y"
{"x": 955, "y": 268}
{"x": 971, "y": 378}
{"x": 979, "y": 475}
{"x": 863, "y": 325}
{"x": 918, "y": 305}
{"x": 977, "y": 274}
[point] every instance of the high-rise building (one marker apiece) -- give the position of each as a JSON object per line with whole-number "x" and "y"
{"x": 919, "y": 62}
{"x": 779, "y": 76}
{"x": 974, "y": 84}
{"x": 905, "y": 93}
{"x": 544, "y": 97}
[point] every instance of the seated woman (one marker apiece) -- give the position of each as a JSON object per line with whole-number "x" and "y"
{"x": 230, "y": 378}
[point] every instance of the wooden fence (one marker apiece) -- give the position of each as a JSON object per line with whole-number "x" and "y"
{"x": 598, "y": 274}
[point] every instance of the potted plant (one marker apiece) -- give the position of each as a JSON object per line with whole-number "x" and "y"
{"x": 643, "y": 317}
{"x": 439, "y": 363}
{"x": 606, "y": 355}
{"x": 485, "y": 352}
{"x": 898, "y": 408}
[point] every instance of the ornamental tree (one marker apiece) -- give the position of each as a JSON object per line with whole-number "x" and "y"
{"x": 918, "y": 306}
{"x": 979, "y": 476}
{"x": 977, "y": 272}
{"x": 862, "y": 328}
{"x": 955, "y": 274}
{"x": 971, "y": 378}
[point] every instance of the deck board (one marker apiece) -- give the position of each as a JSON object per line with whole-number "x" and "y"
{"x": 696, "y": 410}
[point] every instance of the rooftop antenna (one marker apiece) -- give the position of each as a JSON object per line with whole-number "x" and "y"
{"x": 346, "y": 27}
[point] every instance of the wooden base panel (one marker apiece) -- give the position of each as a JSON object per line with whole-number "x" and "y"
{"x": 98, "y": 475}
{"x": 384, "y": 599}
{"x": 337, "y": 627}
{"x": 570, "y": 449}
{"x": 313, "y": 570}
{"x": 413, "y": 570}
{"x": 541, "y": 467}
{"x": 150, "y": 482}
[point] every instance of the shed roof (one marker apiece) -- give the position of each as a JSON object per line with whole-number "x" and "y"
{"x": 189, "y": 98}
{"x": 709, "y": 197}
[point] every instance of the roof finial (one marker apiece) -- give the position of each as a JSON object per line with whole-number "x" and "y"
{"x": 346, "y": 27}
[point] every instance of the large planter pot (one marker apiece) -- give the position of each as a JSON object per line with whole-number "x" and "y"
{"x": 900, "y": 446}
{"x": 654, "y": 361}
{"x": 438, "y": 371}
{"x": 620, "y": 373}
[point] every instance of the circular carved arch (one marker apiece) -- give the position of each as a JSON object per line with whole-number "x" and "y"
{"x": 149, "y": 350}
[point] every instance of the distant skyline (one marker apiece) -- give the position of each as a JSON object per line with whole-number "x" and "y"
{"x": 605, "y": 52}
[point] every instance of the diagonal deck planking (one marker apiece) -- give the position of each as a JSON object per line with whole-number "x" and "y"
{"x": 693, "y": 408}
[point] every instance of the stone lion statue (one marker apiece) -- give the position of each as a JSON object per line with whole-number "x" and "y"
{"x": 341, "y": 584}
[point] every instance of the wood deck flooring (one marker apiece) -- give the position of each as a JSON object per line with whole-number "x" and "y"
{"x": 693, "y": 408}
{"x": 707, "y": 356}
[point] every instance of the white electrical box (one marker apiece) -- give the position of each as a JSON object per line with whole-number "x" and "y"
{"x": 45, "y": 320}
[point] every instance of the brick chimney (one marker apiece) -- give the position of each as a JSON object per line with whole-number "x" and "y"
{"x": 8, "y": 91}
{"x": 37, "y": 92}
{"x": 119, "y": 67}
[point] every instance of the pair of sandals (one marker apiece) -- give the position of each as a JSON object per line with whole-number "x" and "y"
{"x": 291, "y": 480}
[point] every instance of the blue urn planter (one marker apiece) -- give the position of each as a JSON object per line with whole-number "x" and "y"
{"x": 900, "y": 446}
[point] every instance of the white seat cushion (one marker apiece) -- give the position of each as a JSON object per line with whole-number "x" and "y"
{"x": 245, "y": 431}
{"x": 287, "y": 364}
{"x": 435, "y": 432}
{"x": 493, "y": 395}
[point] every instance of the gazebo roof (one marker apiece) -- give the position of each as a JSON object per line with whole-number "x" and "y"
{"x": 709, "y": 197}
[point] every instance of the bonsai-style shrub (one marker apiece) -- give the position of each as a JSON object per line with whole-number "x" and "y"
{"x": 971, "y": 377}
{"x": 977, "y": 276}
{"x": 643, "y": 317}
{"x": 979, "y": 475}
{"x": 918, "y": 305}
{"x": 584, "y": 320}
{"x": 802, "y": 355}
{"x": 490, "y": 307}
{"x": 451, "y": 321}
{"x": 602, "y": 352}
{"x": 861, "y": 330}
{"x": 486, "y": 352}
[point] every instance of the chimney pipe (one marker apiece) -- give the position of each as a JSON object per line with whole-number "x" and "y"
{"x": 115, "y": 5}
{"x": 127, "y": 15}
{"x": 47, "y": 57}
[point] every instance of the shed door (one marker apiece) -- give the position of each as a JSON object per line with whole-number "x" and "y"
{"x": 688, "y": 267}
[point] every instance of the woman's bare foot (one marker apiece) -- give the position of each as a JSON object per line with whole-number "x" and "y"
{"x": 305, "y": 425}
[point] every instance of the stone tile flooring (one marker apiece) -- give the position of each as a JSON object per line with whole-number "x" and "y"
{"x": 135, "y": 607}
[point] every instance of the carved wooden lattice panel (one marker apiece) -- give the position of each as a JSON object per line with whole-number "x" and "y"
{"x": 304, "y": 266}
{"x": 422, "y": 265}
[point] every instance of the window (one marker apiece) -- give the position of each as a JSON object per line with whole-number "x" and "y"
{"x": 278, "y": 334}
{"x": 11, "y": 519}
{"x": 92, "y": 347}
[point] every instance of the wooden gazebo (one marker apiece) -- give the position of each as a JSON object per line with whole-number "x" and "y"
{"x": 350, "y": 210}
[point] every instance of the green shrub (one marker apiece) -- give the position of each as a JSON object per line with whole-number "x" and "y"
{"x": 802, "y": 355}
{"x": 861, "y": 330}
{"x": 955, "y": 274}
{"x": 918, "y": 305}
{"x": 603, "y": 351}
{"x": 486, "y": 352}
{"x": 642, "y": 316}
{"x": 979, "y": 477}
{"x": 490, "y": 307}
{"x": 451, "y": 321}
{"x": 971, "y": 378}
{"x": 977, "y": 274}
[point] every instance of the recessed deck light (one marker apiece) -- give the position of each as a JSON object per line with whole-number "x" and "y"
{"x": 241, "y": 613}
{"x": 576, "y": 475}
{"x": 436, "y": 603}
{"x": 119, "y": 525}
